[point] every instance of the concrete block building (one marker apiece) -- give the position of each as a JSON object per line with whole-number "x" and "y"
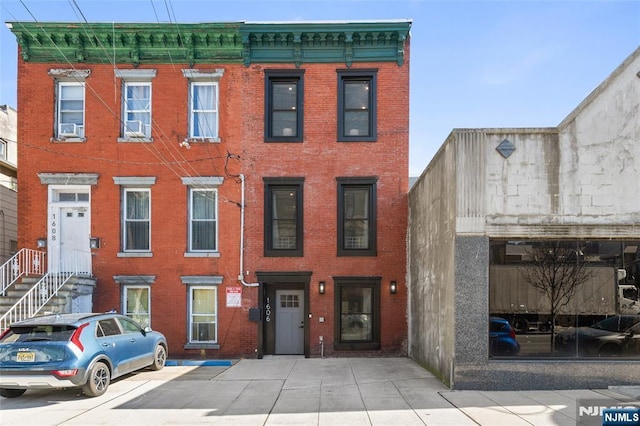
{"x": 489, "y": 206}
{"x": 241, "y": 187}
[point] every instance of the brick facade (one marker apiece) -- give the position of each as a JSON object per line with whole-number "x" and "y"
{"x": 241, "y": 150}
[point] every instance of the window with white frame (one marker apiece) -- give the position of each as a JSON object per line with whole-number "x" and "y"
{"x": 136, "y": 227}
{"x": 137, "y": 110}
{"x": 137, "y": 303}
{"x": 203, "y": 110}
{"x": 203, "y": 314}
{"x": 203, "y": 219}
{"x": 70, "y": 109}
{"x": 203, "y": 104}
{"x": 3, "y": 149}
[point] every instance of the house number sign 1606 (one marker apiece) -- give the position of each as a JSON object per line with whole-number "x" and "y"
{"x": 267, "y": 311}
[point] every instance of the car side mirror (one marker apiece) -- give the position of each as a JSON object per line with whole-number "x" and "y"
{"x": 146, "y": 330}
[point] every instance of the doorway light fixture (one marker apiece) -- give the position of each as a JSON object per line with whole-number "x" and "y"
{"x": 94, "y": 242}
{"x": 321, "y": 287}
{"x": 393, "y": 287}
{"x": 41, "y": 242}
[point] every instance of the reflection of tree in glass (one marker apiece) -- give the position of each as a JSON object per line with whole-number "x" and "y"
{"x": 557, "y": 269}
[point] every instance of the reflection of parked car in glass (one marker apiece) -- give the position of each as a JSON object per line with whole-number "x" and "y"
{"x": 75, "y": 350}
{"x": 502, "y": 338}
{"x": 618, "y": 335}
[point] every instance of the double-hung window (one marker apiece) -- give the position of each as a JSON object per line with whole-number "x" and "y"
{"x": 203, "y": 314}
{"x": 284, "y": 101}
{"x": 203, "y": 104}
{"x": 357, "y": 307}
{"x": 3, "y": 150}
{"x": 137, "y": 110}
{"x": 70, "y": 103}
{"x": 357, "y": 105}
{"x": 283, "y": 225}
{"x": 356, "y": 216}
{"x": 203, "y": 110}
{"x": 202, "y": 215}
{"x": 70, "y": 110}
{"x": 137, "y": 219}
{"x": 136, "y": 215}
{"x": 203, "y": 219}
{"x": 202, "y": 310}
{"x": 137, "y": 303}
{"x": 136, "y": 104}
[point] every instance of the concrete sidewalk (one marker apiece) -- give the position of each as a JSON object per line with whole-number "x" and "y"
{"x": 298, "y": 391}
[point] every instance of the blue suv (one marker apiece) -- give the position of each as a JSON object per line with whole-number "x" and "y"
{"x": 76, "y": 350}
{"x": 502, "y": 338}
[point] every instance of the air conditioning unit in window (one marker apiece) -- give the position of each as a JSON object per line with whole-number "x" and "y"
{"x": 68, "y": 130}
{"x": 134, "y": 129}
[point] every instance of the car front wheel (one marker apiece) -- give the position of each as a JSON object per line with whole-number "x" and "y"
{"x": 99, "y": 379}
{"x": 11, "y": 393}
{"x": 159, "y": 358}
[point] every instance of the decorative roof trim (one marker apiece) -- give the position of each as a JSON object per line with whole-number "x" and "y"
{"x": 234, "y": 42}
{"x": 68, "y": 178}
{"x": 325, "y": 42}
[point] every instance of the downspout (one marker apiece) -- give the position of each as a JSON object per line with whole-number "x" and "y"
{"x": 241, "y": 274}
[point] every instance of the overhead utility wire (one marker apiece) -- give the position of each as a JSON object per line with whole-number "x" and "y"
{"x": 156, "y": 153}
{"x": 154, "y": 123}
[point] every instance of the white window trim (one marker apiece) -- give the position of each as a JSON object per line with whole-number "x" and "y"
{"x": 58, "y": 134}
{"x": 191, "y": 220}
{"x": 3, "y": 150}
{"x": 190, "y": 315}
{"x": 124, "y": 219}
{"x": 192, "y": 111}
{"x": 200, "y": 77}
{"x": 124, "y": 299}
{"x": 146, "y": 136}
{"x": 135, "y": 77}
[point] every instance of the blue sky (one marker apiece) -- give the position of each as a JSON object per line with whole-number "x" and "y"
{"x": 474, "y": 63}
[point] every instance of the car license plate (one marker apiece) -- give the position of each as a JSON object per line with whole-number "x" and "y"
{"x": 26, "y": 357}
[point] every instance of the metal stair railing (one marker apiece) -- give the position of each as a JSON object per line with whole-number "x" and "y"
{"x": 24, "y": 262}
{"x": 43, "y": 291}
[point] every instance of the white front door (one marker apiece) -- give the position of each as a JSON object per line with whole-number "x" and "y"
{"x": 74, "y": 240}
{"x": 289, "y": 322}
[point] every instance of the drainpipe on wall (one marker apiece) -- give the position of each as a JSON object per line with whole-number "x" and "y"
{"x": 241, "y": 274}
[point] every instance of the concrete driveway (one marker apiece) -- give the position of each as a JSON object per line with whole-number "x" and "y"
{"x": 294, "y": 391}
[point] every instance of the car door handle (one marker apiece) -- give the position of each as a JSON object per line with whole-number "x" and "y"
{"x": 106, "y": 345}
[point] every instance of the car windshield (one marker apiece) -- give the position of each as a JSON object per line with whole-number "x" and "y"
{"x": 616, "y": 323}
{"x": 38, "y": 333}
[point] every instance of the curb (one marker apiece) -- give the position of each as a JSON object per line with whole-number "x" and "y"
{"x": 198, "y": 363}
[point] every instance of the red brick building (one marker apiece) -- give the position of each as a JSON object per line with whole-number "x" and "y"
{"x": 241, "y": 187}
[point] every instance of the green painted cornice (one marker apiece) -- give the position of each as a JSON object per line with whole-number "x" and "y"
{"x": 233, "y": 42}
{"x": 323, "y": 42}
{"x": 128, "y": 43}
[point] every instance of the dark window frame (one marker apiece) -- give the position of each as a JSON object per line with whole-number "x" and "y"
{"x": 347, "y": 76}
{"x": 369, "y": 183}
{"x": 283, "y": 76}
{"x": 374, "y": 283}
{"x": 270, "y": 184}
